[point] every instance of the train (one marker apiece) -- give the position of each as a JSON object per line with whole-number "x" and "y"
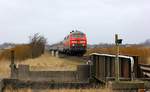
{"x": 75, "y": 43}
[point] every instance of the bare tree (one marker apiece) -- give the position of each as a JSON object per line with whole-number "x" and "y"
{"x": 37, "y": 43}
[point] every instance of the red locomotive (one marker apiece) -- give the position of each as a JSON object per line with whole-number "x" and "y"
{"x": 73, "y": 44}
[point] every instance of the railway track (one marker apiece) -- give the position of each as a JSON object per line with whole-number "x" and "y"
{"x": 145, "y": 69}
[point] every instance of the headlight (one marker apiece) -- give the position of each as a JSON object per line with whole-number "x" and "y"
{"x": 73, "y": 44}
{"x": 82, "y": 41}
{"x": 74, "y": 41}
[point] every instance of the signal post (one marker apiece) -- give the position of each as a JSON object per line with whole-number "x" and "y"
{"x": 117, "y": 70}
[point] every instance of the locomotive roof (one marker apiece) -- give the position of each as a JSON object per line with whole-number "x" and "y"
{"x": 76, "y": 32}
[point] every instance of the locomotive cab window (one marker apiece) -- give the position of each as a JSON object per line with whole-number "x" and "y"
{"x": 78, "y": 35}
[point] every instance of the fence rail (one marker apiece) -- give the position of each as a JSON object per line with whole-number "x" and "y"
{"x": 145, "y": 69}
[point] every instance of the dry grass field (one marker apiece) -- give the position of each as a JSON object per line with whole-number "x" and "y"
{"x": 142, "y": 52}
{"x": 22, "y": 52}
{"x": 58, "y": 90}
{"x": 46, "y": 62}
{"x": 4, "y": 69}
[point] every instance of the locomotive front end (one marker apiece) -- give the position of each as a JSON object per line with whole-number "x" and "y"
{"x": 78, "y": 43}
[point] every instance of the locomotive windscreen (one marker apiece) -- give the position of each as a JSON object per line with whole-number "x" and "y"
{"x": 78, "y": 35}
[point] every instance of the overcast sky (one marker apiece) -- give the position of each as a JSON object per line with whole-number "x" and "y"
{"x": 99, "y": 19}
